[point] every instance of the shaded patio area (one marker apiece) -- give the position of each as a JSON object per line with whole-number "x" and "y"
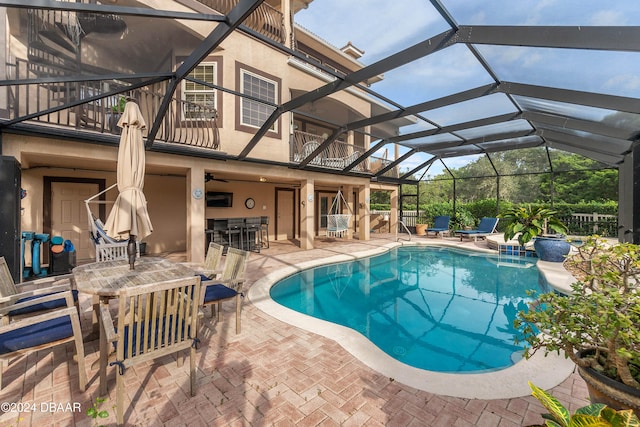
{"x": 270, "y": 374}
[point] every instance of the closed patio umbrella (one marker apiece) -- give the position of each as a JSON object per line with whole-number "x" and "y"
{"x": 129, "y": 217}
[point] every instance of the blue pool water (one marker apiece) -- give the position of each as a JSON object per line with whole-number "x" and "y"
{"x": 437, "y": 309}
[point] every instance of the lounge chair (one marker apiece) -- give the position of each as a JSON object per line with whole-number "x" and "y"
{"x": 308, "y": 148}
{"x": 440, "y": 226}
{"x": 107, "y": 248}
{"x": 486, "y": 227}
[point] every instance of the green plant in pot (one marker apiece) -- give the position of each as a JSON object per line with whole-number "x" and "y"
{"x": 118, "y": 107}
{"x": 463, "y": 220}
{"x": 529, "y": 222}
{"x": 597, "y": 325}
{"x": 422, "y": 223}
{"x": 113, "y": 116}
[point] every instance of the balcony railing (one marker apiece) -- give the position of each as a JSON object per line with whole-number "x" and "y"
{"x": 337, "y": 155}
{"x": 265, "y": 19}
{"x": 378, "y": 163}
{"x": 184, "y": 122}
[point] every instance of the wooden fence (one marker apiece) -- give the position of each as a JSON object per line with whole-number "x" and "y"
{"x": 579, "y": 224}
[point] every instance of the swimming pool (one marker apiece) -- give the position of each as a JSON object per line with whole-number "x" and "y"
{"x": 433, "y": 308}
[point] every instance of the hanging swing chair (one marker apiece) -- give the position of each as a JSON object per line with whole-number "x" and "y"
{"x": 337, "y": 222}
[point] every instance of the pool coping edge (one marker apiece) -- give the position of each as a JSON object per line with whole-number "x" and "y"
{"x": 544, "y": 371}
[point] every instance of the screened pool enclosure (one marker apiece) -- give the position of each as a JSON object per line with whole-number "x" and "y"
{"x": 464, "y": 82}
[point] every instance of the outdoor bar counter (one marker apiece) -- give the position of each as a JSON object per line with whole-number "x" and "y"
{"x": 242, "y": 233}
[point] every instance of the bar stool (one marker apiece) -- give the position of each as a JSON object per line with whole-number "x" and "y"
{"x": 264, "y": 231}
{"x": 234, "y": 229}
{"x": 253, "y": 234}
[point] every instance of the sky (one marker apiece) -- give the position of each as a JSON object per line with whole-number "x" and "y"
{"x": 383, "y": 27}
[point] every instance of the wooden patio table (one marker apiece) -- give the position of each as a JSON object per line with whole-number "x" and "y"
{"x": 105, "y": 280}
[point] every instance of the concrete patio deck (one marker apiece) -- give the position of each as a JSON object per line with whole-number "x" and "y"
{"x": 272, "y": 374}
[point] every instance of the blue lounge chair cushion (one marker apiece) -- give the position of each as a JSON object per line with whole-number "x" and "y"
{"x": 35, "y": 335}
{"x": 217, "y": 292}
{"x": 42, "y": 306}
{"x": 486, "y": 226}
{"x": 441, "y": 223}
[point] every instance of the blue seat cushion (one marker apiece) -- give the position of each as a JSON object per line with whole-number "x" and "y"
{"x": 217, "y": 292}
{"x": 42, "y": 306}
{"x": 160, "y": 330}
{"x": 34, "y": 335}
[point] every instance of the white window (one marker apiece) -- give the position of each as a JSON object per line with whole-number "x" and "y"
{"x": 255, "y": 113}
{"x": 198, "y": 95}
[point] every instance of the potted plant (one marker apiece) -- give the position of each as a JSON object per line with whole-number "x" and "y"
{"x": 528, "y": 222}
{"x": 463, "y": 220}
{"x": 113, "y": 116}
{"x": 597, "y": 325}
{"x": 422, "y": 223}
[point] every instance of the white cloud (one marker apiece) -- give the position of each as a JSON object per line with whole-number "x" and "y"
{"x": 608, "y": 17}
{"x": 623, "y": 82}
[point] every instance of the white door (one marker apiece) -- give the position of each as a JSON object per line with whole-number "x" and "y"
{"x": 285, "y": 229}
{"x": 323, "y": 207}
{"x": 69, "y": 215}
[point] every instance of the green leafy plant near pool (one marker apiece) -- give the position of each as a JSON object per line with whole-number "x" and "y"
{"x": 463, "y": 219}
{"x": 594, "y": 415}
{"x": 529, "y": 222}
{"x": 598, "y": 324}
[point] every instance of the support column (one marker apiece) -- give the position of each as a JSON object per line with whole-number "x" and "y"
{"x": 393, "y": 216}
{"x": 348, "y": 195}
{"x": 196, "y": 215}
{"x": 307, "y": 209}
{"x": 285, "y": 7}
{"x": 364, "y": 233}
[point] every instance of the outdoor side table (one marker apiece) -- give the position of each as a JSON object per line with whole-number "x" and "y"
{"x": 106, "y": 280}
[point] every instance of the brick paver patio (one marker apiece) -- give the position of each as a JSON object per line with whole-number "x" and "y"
{"x": 272, "y": 374}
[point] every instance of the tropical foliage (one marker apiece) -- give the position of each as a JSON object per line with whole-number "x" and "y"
{"x": 528, "y": 222}
{"x": 597, "y": 325}
{"x": 525, "y": 177}
{"x": 594, "y": 415}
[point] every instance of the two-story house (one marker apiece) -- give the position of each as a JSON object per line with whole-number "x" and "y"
{"x": 206, "y": 92}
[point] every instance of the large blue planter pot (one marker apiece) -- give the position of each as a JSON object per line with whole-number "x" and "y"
{"x": 551, "y": 249}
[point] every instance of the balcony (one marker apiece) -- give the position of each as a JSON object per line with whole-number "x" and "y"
{"x": 265, "y": 19}
{"x": 337, "y": 155}
{"x": 184, "y": 122}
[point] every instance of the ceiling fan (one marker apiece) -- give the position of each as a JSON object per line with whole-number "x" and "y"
{"x": 208, "y": 176}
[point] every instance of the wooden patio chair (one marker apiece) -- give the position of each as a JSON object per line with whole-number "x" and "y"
{"x": 229, "y": 284}
{"x": 18, "y": 295}
{"x": 212, "y": 264}
{"x": 114, "y": 251}
{"x": 154, "y": 320}
{"x": 42, "y": 331}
